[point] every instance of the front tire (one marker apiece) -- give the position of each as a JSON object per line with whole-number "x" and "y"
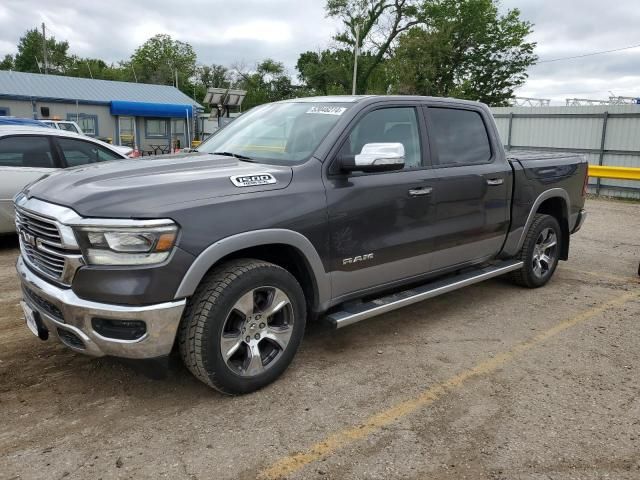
{"x": 243, "y": 326}
{"x": 540, "y": 252}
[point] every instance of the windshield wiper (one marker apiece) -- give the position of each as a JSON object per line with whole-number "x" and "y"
{"x": 234, "y": 155}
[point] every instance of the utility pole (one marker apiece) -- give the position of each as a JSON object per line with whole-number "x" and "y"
{"x": 356, "y": 52}
{"x": 44, "y": 48}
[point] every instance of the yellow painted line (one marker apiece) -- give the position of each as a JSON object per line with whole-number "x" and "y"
{"x": 334, "y": 442}
{"x": 621, "y": 173}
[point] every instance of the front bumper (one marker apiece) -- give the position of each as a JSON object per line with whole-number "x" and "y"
{"x": 69, "y": 318}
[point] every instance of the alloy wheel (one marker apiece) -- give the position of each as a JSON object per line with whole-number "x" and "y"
{"x": 545, "y": 252}
{"x": 257, "y": 331}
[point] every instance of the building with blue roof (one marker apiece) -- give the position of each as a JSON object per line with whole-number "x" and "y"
{"x": 134, "y": 114}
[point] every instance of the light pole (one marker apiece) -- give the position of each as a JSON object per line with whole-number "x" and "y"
{"x": 356, "y": 52}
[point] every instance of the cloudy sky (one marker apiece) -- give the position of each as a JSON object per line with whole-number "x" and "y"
{"x": 229, "y": 31}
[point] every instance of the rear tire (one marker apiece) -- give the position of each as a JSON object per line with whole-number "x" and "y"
{"x": 243, "y": 326}
{"x": 540, "y": 252}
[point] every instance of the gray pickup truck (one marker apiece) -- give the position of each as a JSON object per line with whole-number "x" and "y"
{"x": 339, "y": 208}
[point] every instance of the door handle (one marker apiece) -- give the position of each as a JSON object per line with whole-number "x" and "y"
{"x": 495, "y": 181}
{"x": 420, "y": 191}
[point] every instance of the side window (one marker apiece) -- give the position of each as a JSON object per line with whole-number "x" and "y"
{"x": 388, "y": 125}
{"x": 460, "y": 136}
{"x": 78, "y": 152}
{"x": 88, "y": 123}
{"x": 156, "y": 127}
{"x": 26, "y": 151}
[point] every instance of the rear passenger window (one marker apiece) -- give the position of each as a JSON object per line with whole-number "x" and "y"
{"x": 460, "y": 137}
{"x": 79, "y": 152}
{"x": 25, "y": 151}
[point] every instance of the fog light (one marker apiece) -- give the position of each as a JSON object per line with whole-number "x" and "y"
{"x": 119, "y": 329}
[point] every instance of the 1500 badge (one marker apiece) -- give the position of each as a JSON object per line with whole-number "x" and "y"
{"x": 252, "y": 180}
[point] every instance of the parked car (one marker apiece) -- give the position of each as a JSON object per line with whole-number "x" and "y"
{"x": 66, "y": 125}
{"x": 71, "y": 126}
{"x": 28, "y": 153}
{"x": 334, "y": 207}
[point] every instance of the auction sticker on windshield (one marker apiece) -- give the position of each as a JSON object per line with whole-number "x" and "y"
{"x": 327, "y": 110}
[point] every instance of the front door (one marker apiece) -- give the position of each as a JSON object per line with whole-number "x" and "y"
{"x": 380, "y": 223}
{"x": 473, "y": 190}
{"x": 178, "y": 133}
{"x": 127, "y": 131}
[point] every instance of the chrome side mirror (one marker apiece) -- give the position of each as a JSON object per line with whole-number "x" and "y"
{"x": 377, "y": 157}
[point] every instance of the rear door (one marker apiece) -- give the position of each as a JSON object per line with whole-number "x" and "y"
{"x": 380, "y": 223}
{"x": 23, "y": 159}
{"x": 473, "y": 191}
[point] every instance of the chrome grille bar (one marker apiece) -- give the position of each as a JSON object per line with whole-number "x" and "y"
{"x": 43, "y": 247}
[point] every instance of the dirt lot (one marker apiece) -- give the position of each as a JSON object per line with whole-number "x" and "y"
{"x": 491, "y": 382}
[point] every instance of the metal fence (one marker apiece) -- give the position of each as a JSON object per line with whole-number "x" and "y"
{"x": 607, "y": 135}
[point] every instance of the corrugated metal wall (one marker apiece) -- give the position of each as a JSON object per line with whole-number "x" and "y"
{"x": 605, "y": 134}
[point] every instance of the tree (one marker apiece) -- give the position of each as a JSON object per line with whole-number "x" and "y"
{"x": 30, "y": 54}
{"x": 330, "y": 72}
{"x": 268, "y": 82}
{"x": 160, "y": 58}
{"x": 7, "y": 62}
{"x": 467, "y": 50}
{"x": 213, "y": 75}
{"x": 327, "y": 72}
{"x": 379, "y": 23}
{"x": 96, "y": 69}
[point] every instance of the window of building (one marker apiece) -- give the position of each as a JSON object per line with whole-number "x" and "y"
{"x": 80, "y": 152}
{"x": 388, "y": 125}
{"x": 177, "y": 126}
{"x": 156, "y": 127}
{"x": 87, "y": 122}
{"x": 4, "y": 111}
{"x": 26, "y": 151}
{"x": 460, "y": 137}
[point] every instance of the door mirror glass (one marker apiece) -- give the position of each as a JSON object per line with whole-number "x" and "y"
{"x": 376, "y": 157}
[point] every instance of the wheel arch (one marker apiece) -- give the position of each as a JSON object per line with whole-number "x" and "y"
{"x": 558, "y": 208}
{"x": 554, "y": 201}
{"x": 286, "y": 248}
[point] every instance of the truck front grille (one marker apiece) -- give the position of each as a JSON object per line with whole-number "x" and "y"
{"x": 41, "y": 246}
{"x": 38, "y": 226}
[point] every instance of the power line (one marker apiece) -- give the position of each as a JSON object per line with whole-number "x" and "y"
{"x": 589, "y": 54}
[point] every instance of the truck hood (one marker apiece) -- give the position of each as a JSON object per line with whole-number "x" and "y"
{"x": 140, "y": 188}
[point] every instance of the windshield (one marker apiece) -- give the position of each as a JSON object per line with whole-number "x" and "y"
{"x": 281, "y": 133}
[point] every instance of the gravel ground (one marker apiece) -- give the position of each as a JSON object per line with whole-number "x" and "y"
{"x": 489, "y": 382}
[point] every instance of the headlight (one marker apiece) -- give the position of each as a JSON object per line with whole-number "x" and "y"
{"x": 126, "y": 245}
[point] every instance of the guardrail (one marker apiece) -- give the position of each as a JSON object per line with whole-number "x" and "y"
{"x": 619, "y": 173}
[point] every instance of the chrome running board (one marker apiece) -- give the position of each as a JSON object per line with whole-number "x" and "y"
{"x": 352, "y": 313}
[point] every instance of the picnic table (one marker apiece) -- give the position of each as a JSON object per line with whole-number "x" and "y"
{"x": 159, "y": 149}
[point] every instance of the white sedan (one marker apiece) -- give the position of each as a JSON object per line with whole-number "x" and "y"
{"x": 28, "y": 153}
